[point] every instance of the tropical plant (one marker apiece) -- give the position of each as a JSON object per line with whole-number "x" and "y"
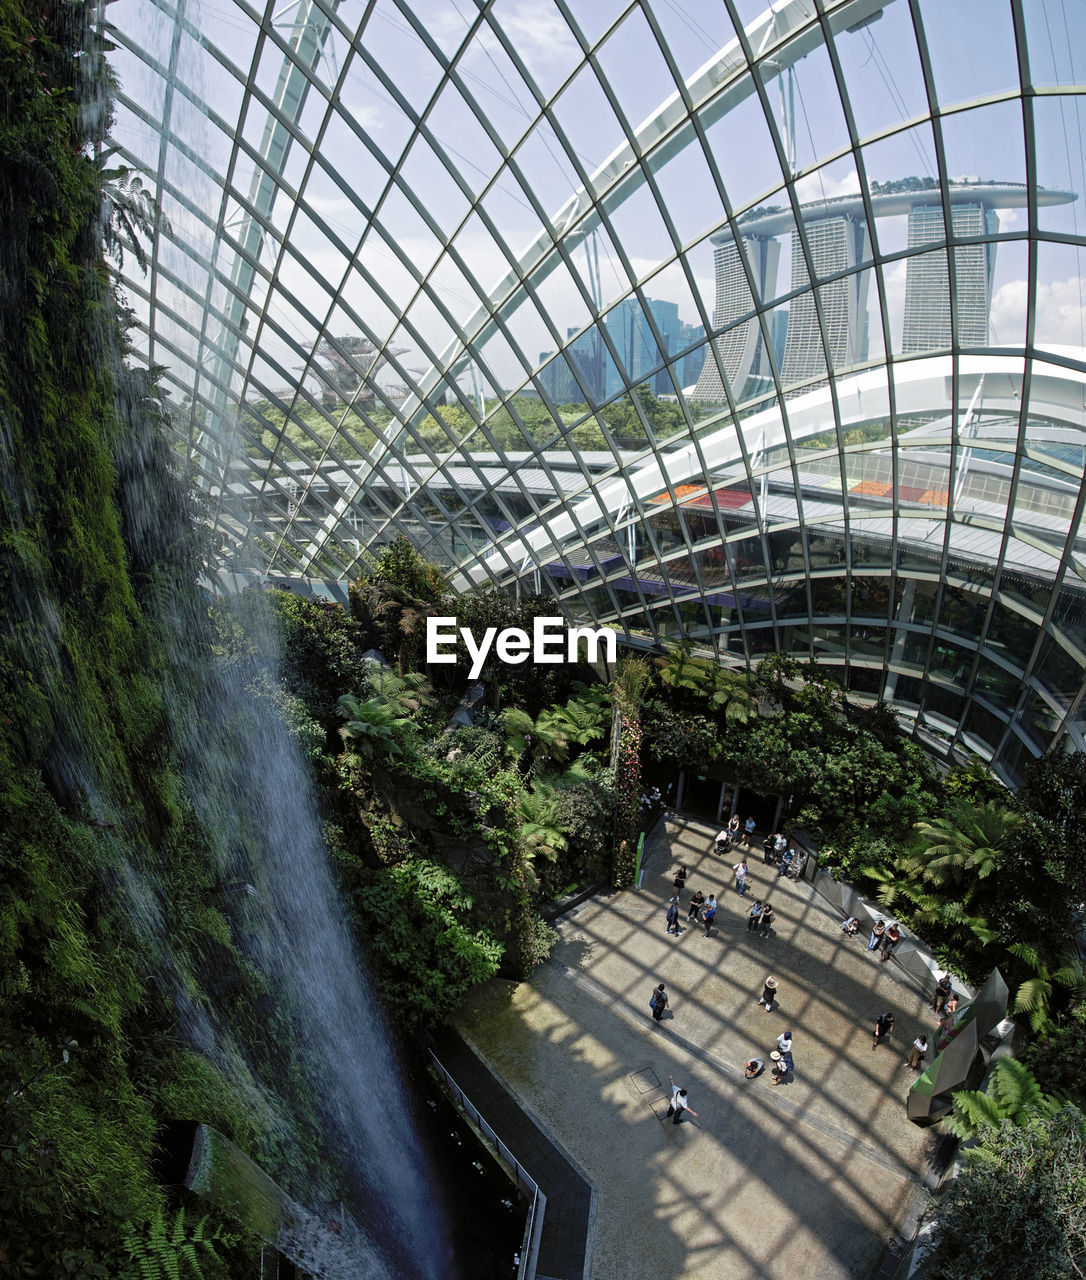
{"x": 129, "y": 211}
{"x": 1017, "y": 1209}
{"x": 540, "y": 832}
{"x": 712, "y": 686}
{"x": 967, "y": 843}
{"x": 1012, "y": 1094}
{"x": 384, "y": 725}
{"x": 1034, "y": 996}
{"x": 171, "y": 1250}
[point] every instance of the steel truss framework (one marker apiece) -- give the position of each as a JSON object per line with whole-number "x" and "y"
{"x": 388, "y": 226}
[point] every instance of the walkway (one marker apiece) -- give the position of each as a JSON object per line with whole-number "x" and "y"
{"x": 810, "y": 1179}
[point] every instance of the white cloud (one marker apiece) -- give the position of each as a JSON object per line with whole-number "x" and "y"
{"x": 823, "y": 186}
{"x": 1061, "y": 312}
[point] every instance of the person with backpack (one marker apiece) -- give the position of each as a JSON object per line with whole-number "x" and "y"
{"x": 658, "y": 1002}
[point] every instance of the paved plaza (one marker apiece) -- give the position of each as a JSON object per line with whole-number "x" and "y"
{"x": 810, "y": 1179}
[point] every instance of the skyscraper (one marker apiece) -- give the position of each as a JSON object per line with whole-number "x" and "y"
{"x": 927, "y": 278}
{"x": 837, "y": 244}
{"x": 739, "y": 349}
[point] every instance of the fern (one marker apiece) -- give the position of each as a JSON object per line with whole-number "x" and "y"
{"x": 1012, "y": 1094}
{"x": 161, "y": 1250}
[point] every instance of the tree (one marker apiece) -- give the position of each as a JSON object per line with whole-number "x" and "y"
{"x": 1017, "y": 1210}
{"x": 967, "y": 842}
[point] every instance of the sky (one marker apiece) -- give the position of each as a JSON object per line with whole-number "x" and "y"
{"x": 356, "y": 258}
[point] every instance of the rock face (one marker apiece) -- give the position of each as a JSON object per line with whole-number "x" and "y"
{"x": 464, "y": 715}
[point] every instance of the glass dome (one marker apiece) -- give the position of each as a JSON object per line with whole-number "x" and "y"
{"x": 762, "y": 327}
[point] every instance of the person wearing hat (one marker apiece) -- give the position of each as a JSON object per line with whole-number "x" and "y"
{"x": 784, "y": 1042}
{"x": 782, "y": 1065}
{"x": 769, "y": 993}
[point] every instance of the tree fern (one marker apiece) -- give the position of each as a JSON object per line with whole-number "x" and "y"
{"x": 1012, "y": 1094}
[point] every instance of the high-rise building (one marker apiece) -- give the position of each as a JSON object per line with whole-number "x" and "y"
{"x": 927, "y": 277}
{"x": 837, "y": 244}
{"x": 739, "y": 351}
{"x": 356, "y": 172}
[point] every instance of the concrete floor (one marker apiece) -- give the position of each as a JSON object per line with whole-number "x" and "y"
{"x": 809, "y": 1180}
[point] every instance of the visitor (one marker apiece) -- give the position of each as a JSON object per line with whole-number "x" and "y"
{"x": 708, "y": 914}
{"x": 679, "y": 1103}
{"x": 876, "y": 935}
{"x": 765, "y": 920}
{"x": 916, "y": 1053}
{"x": 754, "y": 1068}
{"x": 740, "y": 872}
{"x": 658, "y": 1002}
{"x": 884, "y": 1026}
{"x": 673, "y": 916}
{"x": 748, "y": 830}
{"x": 694, "y": 910}
{"x": 784, "y": 1042}
{"x": 944, "y": 989}
{"x": 890, "y": 940}
{"x": 785, "y": 862}
{"x": 754, "y": 916}
{"x": 769, "y": 994}
{"x": 783, "y": 1065}
{"x": 851, "y": 927}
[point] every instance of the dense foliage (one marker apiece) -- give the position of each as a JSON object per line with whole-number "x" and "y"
{"x": 1017, "y": 1209}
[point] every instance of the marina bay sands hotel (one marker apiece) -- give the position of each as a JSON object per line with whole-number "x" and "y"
{"x": 832, "y": 236}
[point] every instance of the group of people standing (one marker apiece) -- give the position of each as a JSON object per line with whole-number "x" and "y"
{"x": 883, "y": 938}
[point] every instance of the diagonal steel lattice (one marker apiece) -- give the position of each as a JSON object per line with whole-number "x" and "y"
{"x": 762, "y": 327}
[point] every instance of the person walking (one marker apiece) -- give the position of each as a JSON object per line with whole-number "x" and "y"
{"x": 708, "y": 913}
{"x": 769, "y": 994}
{"x": 916, "y": 1053}
{"x": 679, "y": 1104}
{"x": 658, "y": 1002}
{"x": 765, "y": 920}
{"x": 876, "y": 935}
{"x": 733, "y": 828}
{"x": 696, "y": 900}
{"x": 944, "y": 989}
{"x": 673, "y": 917}
{"x": 890, "y": 940}
{"x": 740, "y": 873}
{"x": 754, "y": 916}
{"x": 884, "y": 1025}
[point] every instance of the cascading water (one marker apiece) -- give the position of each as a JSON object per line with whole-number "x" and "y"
{"x": 252, "y": 793}
{"x": 309, "y": 1052}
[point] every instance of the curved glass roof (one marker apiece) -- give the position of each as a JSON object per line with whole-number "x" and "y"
{"x": 761, "y": 326}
